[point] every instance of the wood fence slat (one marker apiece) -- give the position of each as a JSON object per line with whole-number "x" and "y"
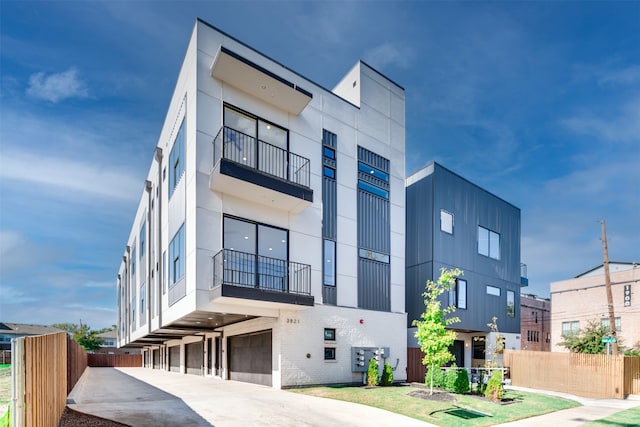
{"x": 587, "y": 375}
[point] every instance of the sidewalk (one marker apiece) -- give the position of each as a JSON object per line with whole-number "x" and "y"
{"x": 591, "y": 410}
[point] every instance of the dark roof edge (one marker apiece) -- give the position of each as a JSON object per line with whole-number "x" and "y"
{"x": 381, "y": 75}
{"x": 433, "y": 162}
{"x": 198, "y": 19}
{"x": 601, "y": 265}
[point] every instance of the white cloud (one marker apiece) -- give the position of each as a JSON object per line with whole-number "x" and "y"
{"x": 57, "y": 87}
{"x": 624, "y": 76}
{"x": 389, "y": 54}
{"x": 617, "y": 126}
{"x": 71, "y": 175}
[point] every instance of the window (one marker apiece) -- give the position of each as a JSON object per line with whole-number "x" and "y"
{"x": 133, "y": 311}
{"x": 329, "y": 353}
{"x": 329, "y": 153}
{"x": 143, "y": 236}
{"x": 133, "y": 263}
{"x": 142, "y": 307}
{"x": 329, "y": 172}
{"x": 176, "y": 257}
{"x": 478, "y": 347}
{"x": 260, "y": 254}
{"x": 373, "y": 189}
{"x": 446, "y": 221}
{"x": 329, "y": 273}
{"x": 329, "y": 334}
{"x": 488, "y": 243}
{"x": 511, "y": 304}
{"x": 605, "y": 323}
{"x": 176, "y": 160}
{"x": 572, "y": 327}
{"x": 372, "y": 179}
{"x": 458, "y": 294}
{"x": 492, "y": 290}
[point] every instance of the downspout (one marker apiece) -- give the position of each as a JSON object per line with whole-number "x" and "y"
{"x": 160, "y": 269}
{"x": 119, "y": 310}
{"x": 148, "y": 187}
{"x": 126, "y": 292}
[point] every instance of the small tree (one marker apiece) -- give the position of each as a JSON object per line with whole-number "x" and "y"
{"x": 495, "y": 348}
{"x": 433, "y": 336}
{"x": 495, "y": 390}
{"x": 387, "y": 375}
{"x": 587, "y": 340}
{"x": 372, "y": 373}
{"x": 82, "y": 334}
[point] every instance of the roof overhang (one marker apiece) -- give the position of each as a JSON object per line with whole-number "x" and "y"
{"x": 255, "y": 80}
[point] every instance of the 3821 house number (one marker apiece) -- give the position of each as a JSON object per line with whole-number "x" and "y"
{"x": 289, "y": 320}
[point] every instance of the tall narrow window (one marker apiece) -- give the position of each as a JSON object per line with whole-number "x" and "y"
{"x": 133, "y": 263}
{"x": 176, "y": 160}
{"x": 329, "y": 216}
{"x": 511, "y": 303}
{"x": 176, "y": 257}
{"x": 458, "y": 294}
{"x": 329, "y": 275}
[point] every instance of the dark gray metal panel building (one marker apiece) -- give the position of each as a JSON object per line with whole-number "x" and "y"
{"x": 428, "y": 247}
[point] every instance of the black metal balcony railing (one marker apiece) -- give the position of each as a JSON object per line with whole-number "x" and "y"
{"x": 254, "y": 271}
{"x": 246, "y": 150}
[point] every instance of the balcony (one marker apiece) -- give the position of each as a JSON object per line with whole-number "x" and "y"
{"x": 241, "y": 276}
{"x": 257, "y": 171}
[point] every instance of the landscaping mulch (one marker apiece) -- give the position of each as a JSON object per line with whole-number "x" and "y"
{"x": 439, "y": 396}
{"x": 71, "y": 418}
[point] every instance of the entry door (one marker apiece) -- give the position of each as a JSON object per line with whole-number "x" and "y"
{"x": 218, "y": 359}
{"x": 209, "y": 355}
{"x": 457, "y": 349}
{"x": 250, "y": 358}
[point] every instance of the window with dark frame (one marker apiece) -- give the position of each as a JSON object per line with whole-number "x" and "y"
{"x": 329, "y": 334}
{"x": 176, "y": 160}
{"x": 329, "y": 353}
{"x": 488, "y": 243}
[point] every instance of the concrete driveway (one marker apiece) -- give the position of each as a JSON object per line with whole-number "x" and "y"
{"x": 144, "y": 397}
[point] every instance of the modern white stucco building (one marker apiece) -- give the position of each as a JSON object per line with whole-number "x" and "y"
{"x": 268, "y": 245}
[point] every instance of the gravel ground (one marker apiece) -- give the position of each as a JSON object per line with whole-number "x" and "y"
{"x": 71, "y": 418}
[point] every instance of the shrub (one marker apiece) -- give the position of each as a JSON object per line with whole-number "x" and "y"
{"x": 450, "y": 378}
{"x": 494, "y": 389}
{"x": 372, "y": 372}
{"x": 438, "y": 378}
{"x": 461, "y": 384}
{"x": 387, "y": 375}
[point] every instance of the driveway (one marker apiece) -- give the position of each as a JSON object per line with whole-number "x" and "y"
{"x": 147, "y": 397}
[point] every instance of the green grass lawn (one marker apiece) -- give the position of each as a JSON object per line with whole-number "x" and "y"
{"x": 465, "y": 410}
{"x": 5, "y": 392}
{"x": 628, "y": 418}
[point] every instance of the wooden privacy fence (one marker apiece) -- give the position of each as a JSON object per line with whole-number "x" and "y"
{"x": 115, "y": 360}
{"x": 416, "y": 371}
{"x": 588, "y": 375}
{"x": 46, "y": 367}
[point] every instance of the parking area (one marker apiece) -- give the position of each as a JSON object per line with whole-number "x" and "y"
{"x": 147, "y": 397}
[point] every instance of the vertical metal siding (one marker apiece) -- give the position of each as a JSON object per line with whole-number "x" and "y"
{"x": 428, "y": 249}
{"x": 374, "y": 227}
{"x": 329, "y": 208}
{"x": 373, "y": 159}
{"x": 374, "y": 285}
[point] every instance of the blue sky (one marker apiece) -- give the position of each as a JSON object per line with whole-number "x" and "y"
{"x": 537, "y": 102}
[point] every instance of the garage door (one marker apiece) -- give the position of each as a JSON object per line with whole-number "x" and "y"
{"x": 250, "y": 358}
{"x": 174, "y": 358}
{"x": 193, "y": 357}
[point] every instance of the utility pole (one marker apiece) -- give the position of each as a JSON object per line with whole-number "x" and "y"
{"x": 607, "y": 282}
